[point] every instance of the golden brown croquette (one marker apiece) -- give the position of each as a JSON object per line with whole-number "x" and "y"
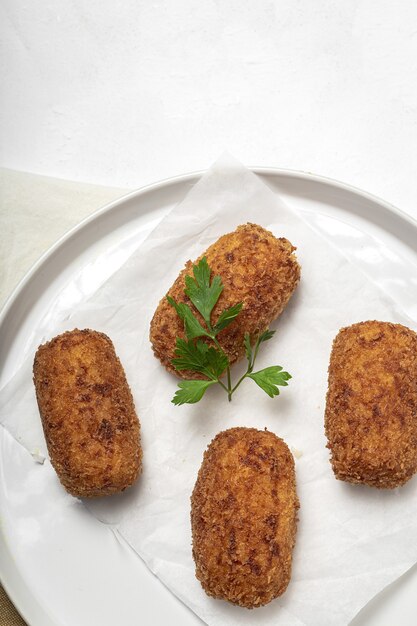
{"x": 256, "y": 268}
{"x": 87, "y": 412}
{"x": 371, "y": 410}
{"x": 243, "y": 517}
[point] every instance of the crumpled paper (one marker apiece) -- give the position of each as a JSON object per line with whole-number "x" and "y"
{"x": 352, "y": 541}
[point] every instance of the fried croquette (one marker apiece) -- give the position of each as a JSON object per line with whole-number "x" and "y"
{"x": 256, "y": 268}
{"x": 371, "y": 409}
{"x": 87, "y": 412}
{"x": 243, "y": 517}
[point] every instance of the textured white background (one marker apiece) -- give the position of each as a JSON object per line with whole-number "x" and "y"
{"x": 125, "y": 93}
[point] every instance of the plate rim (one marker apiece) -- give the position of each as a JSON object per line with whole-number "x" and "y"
{"x": 17, "y": 589}
{"x": 183, "y": 178}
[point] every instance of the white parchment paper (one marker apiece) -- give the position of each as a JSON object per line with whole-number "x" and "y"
{"x": 352, "y": 541}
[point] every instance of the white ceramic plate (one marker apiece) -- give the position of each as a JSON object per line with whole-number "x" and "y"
{"x": 59, "y": 565}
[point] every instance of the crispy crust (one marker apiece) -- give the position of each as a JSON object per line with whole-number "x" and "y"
{"x": 87, "y": 412}
{"x": 243, "y": 517}
{"x": 371, "y": 409}
{"x": 256, "y": 268}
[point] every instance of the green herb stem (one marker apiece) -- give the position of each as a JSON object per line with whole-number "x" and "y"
{"x": 239, "y": 382}
{"x": 229, "y": 378}
{"x": 223, "y": 385}
{"x": 229, "y": 384}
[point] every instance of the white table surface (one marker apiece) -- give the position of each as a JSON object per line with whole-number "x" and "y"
{"x": 126, "y": 93}
{"x": 122, "y": 94}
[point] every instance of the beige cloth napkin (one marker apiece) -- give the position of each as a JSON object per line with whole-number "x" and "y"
{"x": 34, "y": 212}
{"x": 8, "y": 614}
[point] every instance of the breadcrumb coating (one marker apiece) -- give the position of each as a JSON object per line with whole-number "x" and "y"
{"x": 371, "y": 409}
{"x": 87, "y": 412}
{"x": 243, "y": 517}
{"x": 256, "y": 268}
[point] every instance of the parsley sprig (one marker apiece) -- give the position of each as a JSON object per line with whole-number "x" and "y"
{"x": 194, "y": 354}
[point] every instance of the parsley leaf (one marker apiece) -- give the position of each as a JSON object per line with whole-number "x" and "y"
{"x": 190, "y": 355}
{"x": 199, "y": 357}
{"x": 192, "y": 326}
{"x": 202, "y": 294}
{"x": 217, "y": 362}
{"x": 269, "y": 378}
{"x": 227, "y": 317}
{"x": 268, "y": 334}
{"x": 191, "y": 391}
